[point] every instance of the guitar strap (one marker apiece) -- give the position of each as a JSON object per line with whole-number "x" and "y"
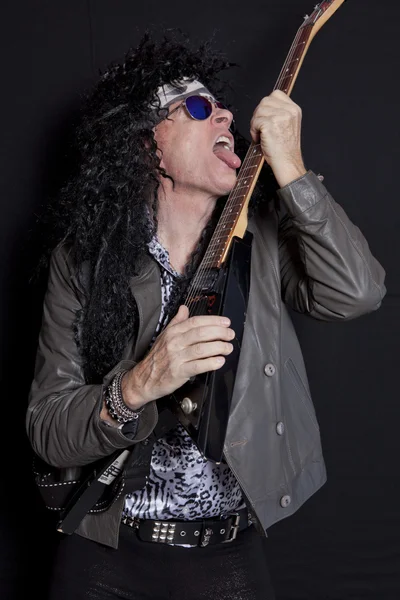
{"x": 110, "y": 473}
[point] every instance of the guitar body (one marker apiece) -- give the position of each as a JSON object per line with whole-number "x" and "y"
{"x": 203, "y": 404}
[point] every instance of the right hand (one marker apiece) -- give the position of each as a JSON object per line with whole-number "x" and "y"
{"x": 188, "y": 346}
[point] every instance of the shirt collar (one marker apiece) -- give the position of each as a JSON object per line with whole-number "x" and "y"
{"x": 161, "y": 255}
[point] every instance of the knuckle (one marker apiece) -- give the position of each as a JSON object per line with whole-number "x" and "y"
{"x": 167, "y": 333}
{"x": 174, "y": 370}
{"x": 225, "y": 348}
{"x": 196, "y": 369}
{"x": 195, "y": 321}
{"x": 198, "y": 349}
{"x": 202, "y": 332}
{"x": 170, "y": 346}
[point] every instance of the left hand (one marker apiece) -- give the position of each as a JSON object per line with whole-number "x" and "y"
{"x": 276, "y": 126}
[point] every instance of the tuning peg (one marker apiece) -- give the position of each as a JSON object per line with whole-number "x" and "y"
{"x": 306, "y": 17}
{"x": 316, "y": 7}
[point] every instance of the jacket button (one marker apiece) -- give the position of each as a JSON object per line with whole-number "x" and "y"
{"x": 280, "y": 428}
{"x": 269, "y": 370}
{"x": 145, "y": 442}
{"x": 285, "y": 501}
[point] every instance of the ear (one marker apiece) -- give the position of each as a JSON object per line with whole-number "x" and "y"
{"x": 158, "y": 139}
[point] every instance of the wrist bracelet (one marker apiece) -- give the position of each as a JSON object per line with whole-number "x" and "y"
{"x": 115, "y": 404}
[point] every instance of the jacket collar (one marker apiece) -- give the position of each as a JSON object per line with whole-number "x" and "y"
{"x": 146, "y": 289}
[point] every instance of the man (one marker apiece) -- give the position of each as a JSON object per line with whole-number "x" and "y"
{"x": 131, "y": 228}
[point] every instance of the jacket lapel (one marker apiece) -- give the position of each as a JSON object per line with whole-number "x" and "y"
{"x": 146, "y": 289}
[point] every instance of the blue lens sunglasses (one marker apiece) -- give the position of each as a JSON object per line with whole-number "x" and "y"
{"x": 200, "y": 108}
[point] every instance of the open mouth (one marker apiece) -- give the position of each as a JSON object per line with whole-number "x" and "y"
{"x": 224, "y": 149}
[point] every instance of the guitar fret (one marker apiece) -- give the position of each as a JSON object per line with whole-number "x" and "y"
{"x": 231, "y": 210}
{"x": 242, "y": 187}
{"x": 245, "y": 177}
{"x": 250, "y": 166}
{"x": 295, "y": 60}
{"x": 221, "y": 237}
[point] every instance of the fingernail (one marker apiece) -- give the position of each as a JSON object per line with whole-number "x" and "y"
{"x": 225, "y": 321}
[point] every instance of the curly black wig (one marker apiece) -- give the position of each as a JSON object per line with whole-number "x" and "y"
{"x": 100, "y": 212}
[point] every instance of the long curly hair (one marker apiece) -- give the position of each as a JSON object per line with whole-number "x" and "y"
{"x": 101, "y": 211}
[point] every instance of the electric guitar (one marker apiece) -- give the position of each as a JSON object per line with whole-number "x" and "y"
{"x": 221, "y": 283}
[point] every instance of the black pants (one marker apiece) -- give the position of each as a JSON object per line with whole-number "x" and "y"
{"x": 141, "y": 570}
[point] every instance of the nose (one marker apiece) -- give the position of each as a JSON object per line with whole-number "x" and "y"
{"x": 222, "y": 115}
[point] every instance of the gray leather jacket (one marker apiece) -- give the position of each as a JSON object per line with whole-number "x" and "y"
{"x": 307, "y": 255}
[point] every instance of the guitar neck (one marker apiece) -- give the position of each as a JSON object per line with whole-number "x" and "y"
{"x": 233, "y": 220}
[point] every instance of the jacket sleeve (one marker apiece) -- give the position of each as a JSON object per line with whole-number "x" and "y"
{"x": 63, "y": 417}
{"x": 327, "y": 269}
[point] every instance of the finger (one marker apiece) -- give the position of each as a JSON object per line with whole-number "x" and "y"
{"x": 266, "y": 113}
{"x": 282, "y": 96}
{"x": 255, "y": 135}
{"x": 181, "y": 316}
{"x": 206, "y": 333}
{"x": 202, "y": 321}
{"x": 196, "y": 367}
{"x": 271, "y": 102}
{"x": 273, "y": 123}
{"x": 277, "y": 97}
{"x": 267, "y": 116}
{"x": 207, "y": 350}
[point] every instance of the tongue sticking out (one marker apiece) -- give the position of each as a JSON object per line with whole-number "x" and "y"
{"x": 228, "y": 157}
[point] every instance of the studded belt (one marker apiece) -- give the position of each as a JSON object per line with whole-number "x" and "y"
{"x": 192, "y": 533}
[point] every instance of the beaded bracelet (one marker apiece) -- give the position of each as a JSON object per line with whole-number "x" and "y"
{"x": 115, "y": 404}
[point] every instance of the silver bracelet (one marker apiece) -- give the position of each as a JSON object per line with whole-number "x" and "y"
{"x": 115, "y": 404}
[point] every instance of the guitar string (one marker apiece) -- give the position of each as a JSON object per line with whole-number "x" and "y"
{"x": 225, "y": 218}
{"x": 207, "y": 263}
{"x": 196, "y": 286}
{"x": 203, "y": 271}
{"x": 200, "y": 277}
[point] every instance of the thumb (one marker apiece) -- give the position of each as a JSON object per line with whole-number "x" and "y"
{"x": 181, "y": 315}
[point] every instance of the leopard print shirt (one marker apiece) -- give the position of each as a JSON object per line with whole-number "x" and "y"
{"x": 182, "y": 484}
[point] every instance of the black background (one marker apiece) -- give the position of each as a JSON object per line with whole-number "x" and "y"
{"x": 344, "y": 543}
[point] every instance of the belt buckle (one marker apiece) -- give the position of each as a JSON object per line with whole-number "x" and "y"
{"x": 234, "y": 529}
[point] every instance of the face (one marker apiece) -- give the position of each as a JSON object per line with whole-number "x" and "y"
{"x": 190, "y": 155}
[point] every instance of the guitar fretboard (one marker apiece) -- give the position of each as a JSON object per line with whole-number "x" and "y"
{"x": 238, "y": 199}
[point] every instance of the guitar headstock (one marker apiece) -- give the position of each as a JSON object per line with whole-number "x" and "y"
{"x": 321, "y": 13}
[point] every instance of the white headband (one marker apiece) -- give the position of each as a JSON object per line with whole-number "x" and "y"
{"x": 168, "y": 94}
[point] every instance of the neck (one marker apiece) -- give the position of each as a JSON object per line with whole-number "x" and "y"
{"x": 182, "y": 215}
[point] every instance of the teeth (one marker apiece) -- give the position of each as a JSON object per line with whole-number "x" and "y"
{"x": 226, "y": 140}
